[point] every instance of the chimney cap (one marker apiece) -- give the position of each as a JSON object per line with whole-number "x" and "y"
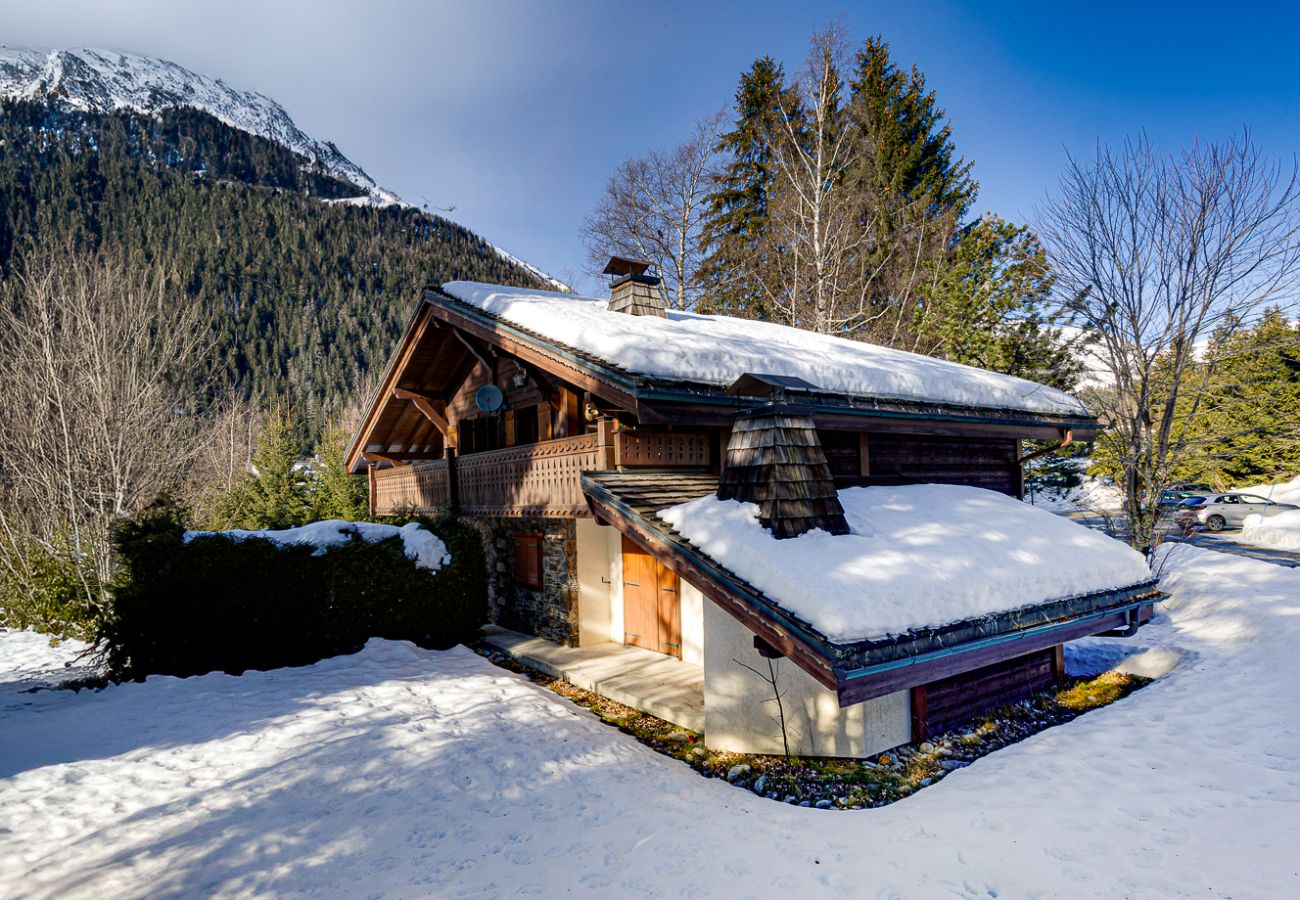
{"x": 621, "y": 265}
{"x": 756, "y": 384}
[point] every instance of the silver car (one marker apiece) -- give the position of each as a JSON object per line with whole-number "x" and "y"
{"x": 1219, "y": 511}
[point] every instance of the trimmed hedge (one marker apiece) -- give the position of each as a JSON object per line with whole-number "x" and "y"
{"x": 220, "y": 604}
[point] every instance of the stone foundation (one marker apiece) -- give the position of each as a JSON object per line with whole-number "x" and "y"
{"x": 550, "y": 611}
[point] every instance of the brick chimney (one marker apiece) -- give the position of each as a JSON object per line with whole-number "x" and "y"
{"x": 775, "y": 459}
{"x": 631, "y": 290}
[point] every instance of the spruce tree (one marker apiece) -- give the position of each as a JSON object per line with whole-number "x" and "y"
{"x": 908, "y": 155}
{"x": 338, "y": 495}
{"x": 735, "y": 230}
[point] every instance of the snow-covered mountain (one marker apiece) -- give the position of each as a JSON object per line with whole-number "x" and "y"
{"x": 107, "y": 80}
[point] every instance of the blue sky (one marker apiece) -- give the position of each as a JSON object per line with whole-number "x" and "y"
{"x": 515, "y": 113}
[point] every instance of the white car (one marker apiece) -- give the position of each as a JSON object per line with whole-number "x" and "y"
{"x": 1219, "y": 511}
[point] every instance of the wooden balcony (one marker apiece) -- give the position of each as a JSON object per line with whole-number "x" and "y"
{"x": 539, "y": 479}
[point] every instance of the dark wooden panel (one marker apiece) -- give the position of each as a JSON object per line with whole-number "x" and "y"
{"x": 956, "y": 700}
{"x": 842, "y": 452}
{"x": 911, "y": 458}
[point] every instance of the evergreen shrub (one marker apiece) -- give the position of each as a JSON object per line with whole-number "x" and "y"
{"x": 220, "y": 604}
{"x": 44, "y": 589}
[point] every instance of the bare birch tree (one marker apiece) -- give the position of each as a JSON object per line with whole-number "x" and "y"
{"x": 1155, "y": 254}
{"x": 814, "y": 211}
{"x": 653, "y": 208}
{"x": 833, "y": 273}
{"x": 96, "y": 364}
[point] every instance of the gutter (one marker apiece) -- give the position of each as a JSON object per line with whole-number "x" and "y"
{"x": 668, "y": 395}
{"x": 1130, "y": 609}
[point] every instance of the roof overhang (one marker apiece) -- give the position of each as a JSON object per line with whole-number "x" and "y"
{"x": 861, "y": 670}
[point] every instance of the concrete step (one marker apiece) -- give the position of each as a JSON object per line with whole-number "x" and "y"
{"x": 651, "y": 682}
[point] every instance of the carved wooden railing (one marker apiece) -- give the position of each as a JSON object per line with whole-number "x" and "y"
{"x": 661, "y": 449}
{"x": 420, "y": 487}
{"x": 535, "y": 479}
{"x": 539, "y": 479}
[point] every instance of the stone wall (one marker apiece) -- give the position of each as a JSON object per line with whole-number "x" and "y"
{"x": 550, "y": 611}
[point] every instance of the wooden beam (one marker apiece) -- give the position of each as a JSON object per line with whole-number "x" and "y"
{"x": 568, "y": 371}
{"x": 398, "y": 458}
{"x": 420, "y": 322}
{"x": 478, "y": 354}
{"x": 424, "y": 403}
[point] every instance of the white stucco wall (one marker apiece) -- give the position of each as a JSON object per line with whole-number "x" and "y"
{"x": 692, "y": 624}
{"x": 739, "y": 709}
{"x": 595, "y": 580}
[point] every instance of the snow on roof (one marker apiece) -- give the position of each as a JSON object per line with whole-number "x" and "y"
{"x": 917, "y": 556}
{"x": 716, "y": 350}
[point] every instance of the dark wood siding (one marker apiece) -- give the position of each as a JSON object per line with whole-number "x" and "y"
{"x": 841, "y": 448}
{"x": 950, "y": 702}
{"x": 916, "y": 458}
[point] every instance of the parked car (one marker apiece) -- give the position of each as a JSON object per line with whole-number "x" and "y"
{"x": 1219, "y": 511}
{"x": 1176, "y": 494}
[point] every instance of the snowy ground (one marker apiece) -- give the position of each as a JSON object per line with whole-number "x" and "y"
{"x": 1095, "y": 495}
{"x": 29, "y": 662}
{"x": 400, "y": 772}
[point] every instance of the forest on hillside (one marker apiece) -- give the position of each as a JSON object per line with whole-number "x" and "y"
{"x": 302, "y": 297}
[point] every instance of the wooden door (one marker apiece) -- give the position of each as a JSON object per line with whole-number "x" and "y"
{"x": 652, "y": 609}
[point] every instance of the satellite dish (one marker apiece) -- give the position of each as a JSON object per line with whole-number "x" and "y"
{"x": 489, "y": 398}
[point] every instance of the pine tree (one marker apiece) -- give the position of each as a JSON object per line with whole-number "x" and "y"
{"x": 988, "y": 304}
{"x": 338, "y": 495}
{"x": 276, "y": 493}
{"x": 915, "y": 190}
{"x": 1243, "y": 415}
{"x": 736, "y": 226}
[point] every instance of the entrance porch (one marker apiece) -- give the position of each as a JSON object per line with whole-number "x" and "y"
{"x": 654, "y": 683}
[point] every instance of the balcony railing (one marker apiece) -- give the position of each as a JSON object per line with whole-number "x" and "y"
{"x": 539, "y": 479}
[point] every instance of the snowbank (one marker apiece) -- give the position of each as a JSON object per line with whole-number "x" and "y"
{"x": 30, "y": 660}
{"x": 717, "y": 350}
{"x": 423, "y": 546}
{"x": 918, "y": 555}
{"x": 1093, "y": 495}
{"x": 1279, "y": 532}
{"x": 406, "y": 773}
{"x": 1279, "y": 492}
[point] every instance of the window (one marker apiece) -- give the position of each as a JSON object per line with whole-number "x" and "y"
{"x": 526, "y": 425}
{"x": 528, "y": 560}
{"x": 481, "y": 433}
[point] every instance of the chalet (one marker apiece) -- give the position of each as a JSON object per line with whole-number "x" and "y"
{"x": 676, "y": 505}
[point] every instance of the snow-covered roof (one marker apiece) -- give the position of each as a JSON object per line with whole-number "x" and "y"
{"x": 918, "y": 556}
{"x": 716, "y": 350}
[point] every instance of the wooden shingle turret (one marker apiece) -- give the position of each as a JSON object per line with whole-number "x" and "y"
{"x": 775, "y": 459}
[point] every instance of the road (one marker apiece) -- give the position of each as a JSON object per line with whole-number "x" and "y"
{"x": 1225, "y": 541}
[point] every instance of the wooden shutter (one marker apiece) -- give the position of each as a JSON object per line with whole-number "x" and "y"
{"x": 528, "y": 560}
